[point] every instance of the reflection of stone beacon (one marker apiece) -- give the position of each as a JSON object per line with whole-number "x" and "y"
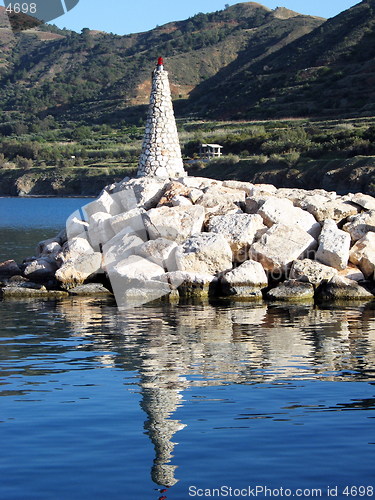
{"x": 161, "y": 152}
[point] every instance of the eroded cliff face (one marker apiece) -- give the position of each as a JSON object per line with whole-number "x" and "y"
{"x": 343, "y": 179}
{"x": 73, "y": 182}
{"x": 352, "y": 175}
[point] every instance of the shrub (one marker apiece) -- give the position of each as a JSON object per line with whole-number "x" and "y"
{"x": 65, "y": 163}
{"x": 82, "y": 132}
{"x": 345, "y": 126}
{"x": 24, "y": 163}
{"x": 199, "y": 165}
{"x": 12, "y": 149}
{"x": 226, "y": 160}
{"x": 292, "y": 158}
{"x": 260, "y": 159}
{"x": 9, "y": 165}
{"x": 256, "y": 131}
{"x": 244, "y": 154}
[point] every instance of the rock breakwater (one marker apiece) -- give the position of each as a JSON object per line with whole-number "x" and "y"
{"x": 153, "y": 237}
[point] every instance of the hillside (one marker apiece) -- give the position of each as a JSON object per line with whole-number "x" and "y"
{"x": 246, "y": 61}
{"x": 97, "y": 76}
{"x": 328, "y": 72}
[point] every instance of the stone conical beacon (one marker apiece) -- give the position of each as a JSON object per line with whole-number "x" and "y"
{"x": 161, "y": 152}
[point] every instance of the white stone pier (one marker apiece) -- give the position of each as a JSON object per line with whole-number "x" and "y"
{"x": 161, "y": 152}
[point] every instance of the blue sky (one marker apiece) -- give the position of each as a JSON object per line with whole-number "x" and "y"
{"x": 126, "y": 16}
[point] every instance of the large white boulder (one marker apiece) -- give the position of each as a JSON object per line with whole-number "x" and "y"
{"x": 199, "y": 182}
{"x": 76, "y": 270}
{"x": 311, "y": 271}
{"x": 105, "y": 203}
{"x": 246, "y": 280}
{"x": 144, "y": 192}
{"x": 295, "y": 195}
{"x": 174, "y": 223}
{"x": 99, "y": 217}
{"x": 175, "y": 191}
{"x": 244, "y": 186}
{"x": 133, "y": 282}
{"x": 323, "y": 208}
{"x": 120, "y": 247}
{"x": 239, "y": 230}
{"x": 160, "y": 251}
{"x": 282, "y": 211}
{"x": 362, "y": 254}
{"x": 194, "y": 194}
{"x": 334, "y": 246}
{"x": 263, "y": 189}
{"x": 280, "y": 246}
{"x": 358, "y": 226}
{"x": 292, "y": 290}
{"x": 190, "y": 284}
{"x": 214, "y": 196}
{"x": 136, "y": 267}
{"x": 100, "y": 230}
{"x": 75, "y": 224}
{"x": 301, "y": 197}
{"x": 129, "y": 222}
{"x": 340, "y": 288}
{"x": 364, "y": 200}
{"x": 207, "y": 253}
{"x": 76, "y": 246}
{"x": 181, "y": 201}
{"x": 222, "y": 208}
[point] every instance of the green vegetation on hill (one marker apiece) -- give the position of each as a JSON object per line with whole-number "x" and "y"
{"x": 80, "y": 159}
{"x": 337, "y": 155}
{"x": 243, "y": 62}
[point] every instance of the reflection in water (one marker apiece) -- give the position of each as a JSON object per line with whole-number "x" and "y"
{"x": 174, "y": 347}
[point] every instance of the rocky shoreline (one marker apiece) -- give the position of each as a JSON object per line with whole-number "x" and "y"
{"x": 155, "y": 238}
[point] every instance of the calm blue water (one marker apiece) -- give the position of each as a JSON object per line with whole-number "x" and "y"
{"x": 26, "y": 221}
{"x": 27, "y": 213}
{"x": 98, "y": 403}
